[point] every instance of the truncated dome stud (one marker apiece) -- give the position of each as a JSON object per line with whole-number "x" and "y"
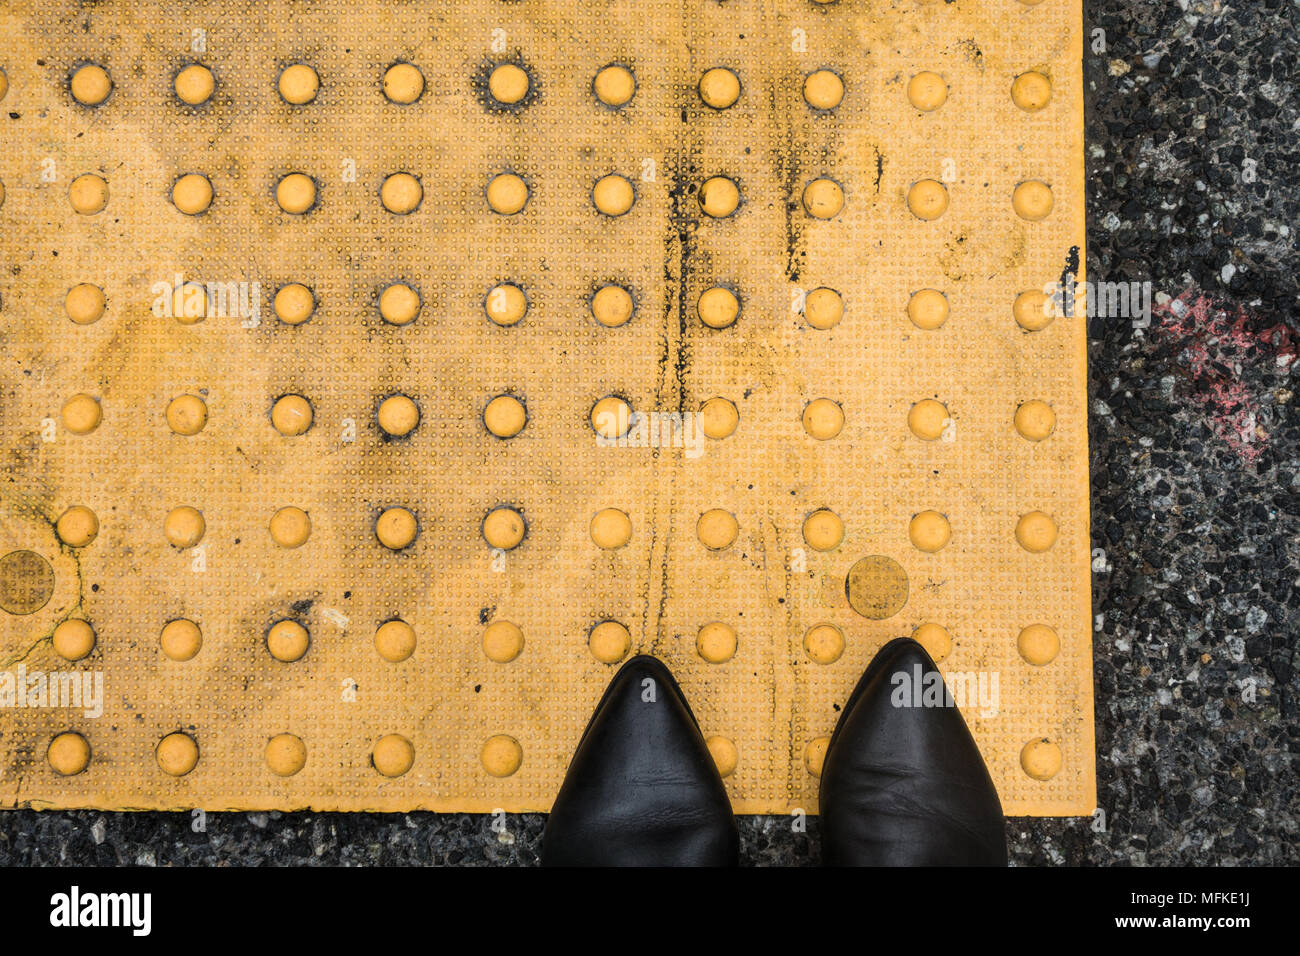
{"x": 396, "y": 528}
{"x": 928, "y": 309}
{"x": 1032, "y": 200}
{"x": 824, "y": 643}
{"x": 929, "y": 531}
{"x": 393, "y": 755}
{"x": 927, "y": 199}
{"x": 187, "y": 414}
{"x": 1031, "y": 91}
{"x": 177, "y": 754}
{"x": 719, "y": 197}
{"x": 507, "y": 194}
{"x": 823, "y": 419}
{"x": 505, "y": 304}
{"x": 503, "y": 641}
{"x": 612, "y": 306}
{"x": 928, "y": 419}
{"x": 403, "y": 83}
{"x": 716, "y": 642}
{"x": 927, "y": 91}
{"x": 399, "y": 304}
{"x": 718, "y": 307}
{"x": 294, "y": 303}
{"x": 609, "y": 642}
{"x": 287, "y": 641}
{"x": 398, "y": 416}
{"x": 68, "y": 754}
{"x": 90, "y": 84}
{"x": 184, "y": 526}
{"x": 181, "y": 639}
{"x": 88, "y": 194}
{"x": 823, "y": 198}
{"x": 1033, "y": 310}
{"x": 1035, "y": 420}
{"x": 823, "y": 308}
{"x": 613, "y": 195}
{"x": 823, "y": 90}
{"x": 1036, "y": 532}
{"x": 724, "y": 753}
{"x": 290, "y": 527}
{"x": 505, "y": 416}
{"x": 401, "y": 194}
{"x": 286, "y": 755}
{"x": 719, "y": 418}
{"x": 611, "y": 417}
{"x": 509, "y": 84}
{"x": 85, "y": 303}
{"x": 814, "y": 755}
{"x": 73, "y": 639}
{"x": 1038, "y": 644}
{"x": 77, "y": 526}
{"x": 935, "y": 639}
{"x": 192, "y": 194}
{"x": 195, "y": 85}
{"x": 395, "y": 641}
{"x": 823, "y": 530}
{"x": 503, "y": 528}
{"x": 501, "y": 755}
{"x": 614, "y": 85}
{"x": 296, "y": 193}
{"x": 717, "y": 529}
{"x": 298, "y": 84}
{"x": 1041, "y": 759}
{"x": 292, "y": 415}
{"x": 719, "y": 88}
{"x": 611, "y": 528}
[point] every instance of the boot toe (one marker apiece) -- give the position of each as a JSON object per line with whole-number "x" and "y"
{"x": 903, "y": 783}
{"x": 642, "y": 788}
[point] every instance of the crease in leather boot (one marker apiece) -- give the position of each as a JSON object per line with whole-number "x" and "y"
{"x": 642, "y": 788}
{"x": 905, "y": 785}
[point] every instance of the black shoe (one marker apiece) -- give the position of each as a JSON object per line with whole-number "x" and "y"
{"x": 906, "y": 785}
{"x": 642, "y": 788}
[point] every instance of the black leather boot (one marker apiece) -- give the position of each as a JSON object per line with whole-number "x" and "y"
{"x": 906, "y": 785}
{"x": 642, "y": 788}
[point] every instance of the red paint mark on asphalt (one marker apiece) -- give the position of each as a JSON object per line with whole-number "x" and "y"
{"x": 1221, "y": 338}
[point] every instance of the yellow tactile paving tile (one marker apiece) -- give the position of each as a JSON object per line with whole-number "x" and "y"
{"x": 321, "y": 334}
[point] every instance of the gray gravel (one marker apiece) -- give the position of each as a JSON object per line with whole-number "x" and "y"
{"x": 1193, "y": 148}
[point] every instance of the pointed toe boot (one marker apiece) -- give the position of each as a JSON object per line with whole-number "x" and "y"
{"x": 903, "y": 783}
{"x": 642, "y": 788}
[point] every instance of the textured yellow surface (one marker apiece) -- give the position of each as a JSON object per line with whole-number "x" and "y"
{"x": 446, "y": 726}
